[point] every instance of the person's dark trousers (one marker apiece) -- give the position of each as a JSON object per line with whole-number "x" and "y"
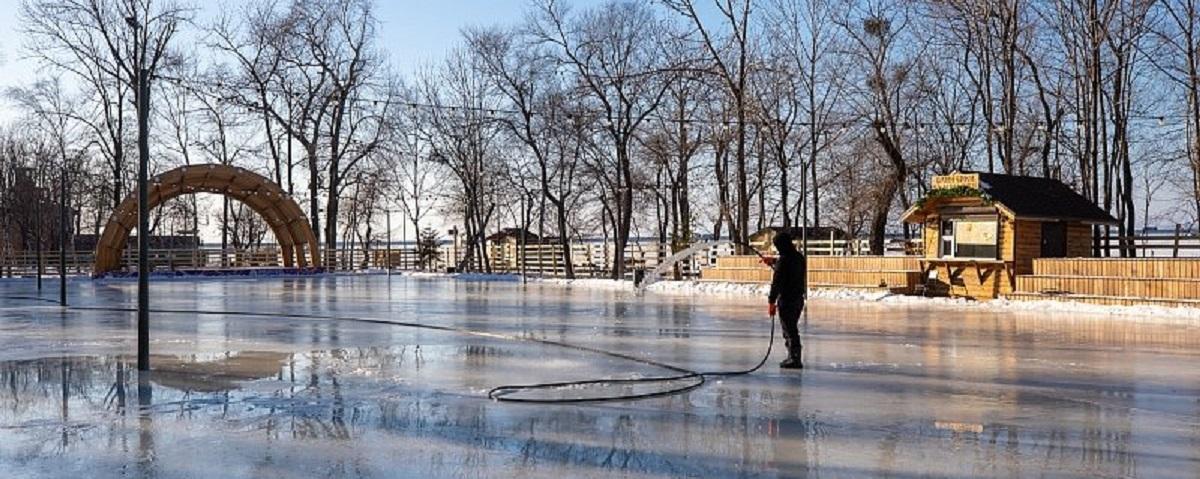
{"x": 789, "y": 320}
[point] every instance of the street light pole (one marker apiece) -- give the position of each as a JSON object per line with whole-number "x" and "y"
{"x": 143, "y": 313}
{"x": 143, "y": 228}
{"x": 37, "y": 233}
{"x": 62, "y": 235}
{"x": 388, "y": 251}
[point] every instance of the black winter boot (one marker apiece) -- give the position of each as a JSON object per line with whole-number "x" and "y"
{"x": 793, "y": 360}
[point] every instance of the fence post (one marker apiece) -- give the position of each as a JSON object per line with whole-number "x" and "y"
{"x": 1175, "y": 249}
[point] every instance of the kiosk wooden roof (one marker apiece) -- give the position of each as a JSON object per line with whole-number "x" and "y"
{"x": 1017, "y": 197}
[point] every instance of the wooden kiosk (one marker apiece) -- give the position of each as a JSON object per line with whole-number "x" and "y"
{"x": 981, "y": 230}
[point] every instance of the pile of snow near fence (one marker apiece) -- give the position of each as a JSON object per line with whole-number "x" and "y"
{"x": 756, "y": 290}
{"x": 848, "y": 295}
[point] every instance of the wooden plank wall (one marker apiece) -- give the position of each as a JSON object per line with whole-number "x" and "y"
{"x": 932, "y": 236}
{"x": 981, "y": 281}
{"x": 1158, "y": 288}
{"x": 1177, "y": 279}
{"x": 1079, "y": 240}
{"x": 1007, "y": 240}
{"x": 900, "y": 273}
{"x": 1183, "y": 268}
{"x": 738, "y": 269}
{"x": 1027, "y": 245}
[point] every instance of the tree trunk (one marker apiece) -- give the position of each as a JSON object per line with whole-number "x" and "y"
{"x": 625, "y": 213}
{"x": 564, "y": 241}
{"x": 887, "y": 192}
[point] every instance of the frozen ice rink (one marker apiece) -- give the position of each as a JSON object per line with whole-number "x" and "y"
{"x": 903, "y": 391}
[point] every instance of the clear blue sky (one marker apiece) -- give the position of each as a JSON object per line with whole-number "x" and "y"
{"x": 413, "y": 32}
{"x": 416, "y": 32}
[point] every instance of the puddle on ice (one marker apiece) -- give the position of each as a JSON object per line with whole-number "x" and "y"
{"x": 900, "y": 391}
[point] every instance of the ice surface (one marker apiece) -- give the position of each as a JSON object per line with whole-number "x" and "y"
{"x": 894, "y": 387}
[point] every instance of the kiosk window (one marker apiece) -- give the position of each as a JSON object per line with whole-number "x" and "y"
{"x": 969, "y": 237}
{"x": 947, "y": 238}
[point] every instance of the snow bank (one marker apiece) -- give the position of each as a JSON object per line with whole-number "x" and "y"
{"x": 756, "y": 290}
{"x": 460, "y": 276}
{"x": 709, "y": 288}
{"x": 1006, "y": 305}
{"x": 1150, "y": 313}
{"x": 1189, "y": 315}
{"x": 587, "y": 283}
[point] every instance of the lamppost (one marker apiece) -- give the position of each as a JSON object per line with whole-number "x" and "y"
{"x": 37, "y": 231}
{"x": 143, "y": 143}
{"x": 62, "y": 233}
{"x": 388, "y": 250}
{"x": 454, "y": 247}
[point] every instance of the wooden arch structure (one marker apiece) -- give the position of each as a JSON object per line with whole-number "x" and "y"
{"x": 286, "y": 219}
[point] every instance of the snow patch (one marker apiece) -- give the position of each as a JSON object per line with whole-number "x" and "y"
{"x": 709, "y": 288}
{"x": 756, "y": 290}
{"x": 759, "y": 290}
{"x": 1149, "y": 313}
{"x": 587, "y": 283}
{"x": 461, "y": 276}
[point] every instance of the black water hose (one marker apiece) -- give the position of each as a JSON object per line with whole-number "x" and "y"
{"x": 498, "y": 393}
{"x": 502, "y": 393}
{"x": 698, "y": 378}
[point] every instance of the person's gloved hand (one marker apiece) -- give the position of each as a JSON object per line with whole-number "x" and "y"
{"x": 769, "y": 261}
{"x": 771, "y": 309}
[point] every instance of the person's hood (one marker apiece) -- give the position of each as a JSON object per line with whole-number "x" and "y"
{"x": 784, "y": 245}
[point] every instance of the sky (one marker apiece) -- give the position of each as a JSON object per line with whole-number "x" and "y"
{"x": 413, "y": 32}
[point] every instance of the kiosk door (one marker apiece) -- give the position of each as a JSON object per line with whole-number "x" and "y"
{"x": 1054, "y": 240}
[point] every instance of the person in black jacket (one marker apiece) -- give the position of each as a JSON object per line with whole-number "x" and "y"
{"x": 789, "y": 288}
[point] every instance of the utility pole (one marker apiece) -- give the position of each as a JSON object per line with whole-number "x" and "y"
{"x": 37, "y": 233}
{"x": 388, "y": 250}
{"x": 143, "y": 143}
{"x": 143, "y": 223}
{"x": 288, "y": 135}
{"x": 62, "y": 235}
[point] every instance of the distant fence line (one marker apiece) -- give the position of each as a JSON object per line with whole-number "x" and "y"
{"x": 1153, "y": 246}
{"x": 589, "y": 259}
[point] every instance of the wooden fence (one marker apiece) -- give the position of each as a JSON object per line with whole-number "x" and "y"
{"x": 1186, "y": 268}
{"x": 1114, "y": 281}
{"x": 1177, "y": 245}
{"x": 81, "y": 263}
{"x": 594, "y": 259}
{"x": 589, "y": 259}
{"x": 895, "y": 273}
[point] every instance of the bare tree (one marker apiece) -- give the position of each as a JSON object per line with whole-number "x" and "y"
{"x": 674, "y": 139}
{"x": 1179, "y": 39}
{"x": 803, "y": 36}
{"x": 415, "y": 176}
{"x": 527, "y": 78}
{"x": 314, "y": 69}
{"x": 612, "y": 52}
{"x": 464, "y": 136}
{"x": 887, "y": 62}
{"x": 731, "y": 58}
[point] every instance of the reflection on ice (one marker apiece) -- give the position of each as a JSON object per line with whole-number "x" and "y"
{"x": 905, "y": 391}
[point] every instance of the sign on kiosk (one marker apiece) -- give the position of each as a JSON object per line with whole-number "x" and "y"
{"x": 956, "y": 180}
